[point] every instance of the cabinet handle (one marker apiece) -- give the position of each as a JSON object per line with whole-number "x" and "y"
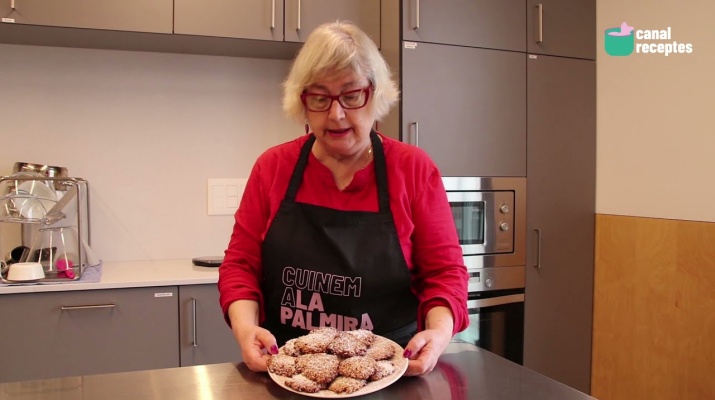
{"x": 299, "y": 3}
{"x": 417, "y": 15}
{"x": 12, "y": 4}
{"x": 538, "y": 248}
{"x": 273, "y": 14}
{"x": 417, "y": 133}
{"x": 110, "y": 305}
{"x": 540, "y": 25}
{"x": 193, "y": 333}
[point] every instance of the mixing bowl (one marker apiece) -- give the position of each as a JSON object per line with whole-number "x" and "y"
{"x": 25, "y": 272}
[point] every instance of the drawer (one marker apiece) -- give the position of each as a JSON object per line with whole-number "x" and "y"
{"x": 56, "y": 334}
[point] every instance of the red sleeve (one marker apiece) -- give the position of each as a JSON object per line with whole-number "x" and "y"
{"x": 241, "y": 271}
{"x": 440, "y": 276}
{"x": 239, "y": 274}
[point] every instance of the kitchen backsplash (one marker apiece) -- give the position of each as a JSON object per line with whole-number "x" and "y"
{"x": 146, "y": 130}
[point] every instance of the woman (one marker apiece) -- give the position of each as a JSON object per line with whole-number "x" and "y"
{"x": 343, "y": 227}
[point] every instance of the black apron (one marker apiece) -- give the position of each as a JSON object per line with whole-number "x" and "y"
{"x": 344, "y": 269}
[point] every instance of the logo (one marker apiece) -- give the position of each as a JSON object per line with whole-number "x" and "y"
{"x": 621, "y": 41}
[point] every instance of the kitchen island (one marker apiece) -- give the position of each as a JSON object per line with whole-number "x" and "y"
{"x": 463, "y": 372}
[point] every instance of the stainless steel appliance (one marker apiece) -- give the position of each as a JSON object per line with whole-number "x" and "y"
{"x": 490, "y": 216}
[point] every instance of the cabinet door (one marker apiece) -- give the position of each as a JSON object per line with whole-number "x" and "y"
{"x": 302, "y": 16}
{"x": 59, "y": 334}
{"x": 561, "y": 194}
{"x": 466, "y": 107}
{"x": 246, "y": 19}
{"x": 129, "y": 15}
{"x": 496, "y": 24}
{"x": 205, "y": 337}
{"x": 562, "y": 28}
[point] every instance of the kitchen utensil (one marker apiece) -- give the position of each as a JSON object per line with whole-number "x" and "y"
{"x": 46, "y": 198}
{"x": 50, "y": 171}
{"x": 58, "y": 250}
{"x": 16, "y": 255}
{"x": 57, "y": 213}
{"x": 25, "y": 272}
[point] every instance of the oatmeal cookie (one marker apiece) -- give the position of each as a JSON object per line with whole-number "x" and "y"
{"x": 282, "y": 364}
{"x": 357, "y": 367}
{"x": 303, "y": 384}
{"x": 290, "y": 348}
{"x": 364, "y": 335}
{"x": 347, "y": 345}
{"x": 321, "y": 368}
{"x": 346, "y": 385}
{"x": 381, "y": 351}
{"x": 382, "y": 369}
{"x": 316, "y": 341}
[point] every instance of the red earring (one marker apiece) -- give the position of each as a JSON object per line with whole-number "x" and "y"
{"x": 307, "y": 128}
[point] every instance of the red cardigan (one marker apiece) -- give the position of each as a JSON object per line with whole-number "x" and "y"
{"x": 418, "y": 202}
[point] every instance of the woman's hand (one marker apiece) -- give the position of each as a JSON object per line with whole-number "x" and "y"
{"x": 255, "y": 342}
{"x": 425, "y": 347}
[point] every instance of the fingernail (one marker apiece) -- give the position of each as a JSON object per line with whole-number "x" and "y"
{"x": 274, "y": 349}
{"x": 407, "y": 353}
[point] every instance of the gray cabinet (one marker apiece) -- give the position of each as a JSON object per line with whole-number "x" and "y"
{"x": 128, "y": 15}
{"x": 497, "y": 24}
{"x": 560, "y": 218}
{"x": 562, "y": 28}
{"x": 56, "y": 334}
{"x": 466, "y": 108}
{"x": 302, "y": 16}
{"x": 246, "y": 19}
{"x": 204, "y": 335}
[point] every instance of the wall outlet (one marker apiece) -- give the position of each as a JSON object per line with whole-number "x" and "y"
{"x": 224, "y": 195}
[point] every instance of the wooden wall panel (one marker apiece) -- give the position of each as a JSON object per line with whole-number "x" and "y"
{"x": 654, "y": 309}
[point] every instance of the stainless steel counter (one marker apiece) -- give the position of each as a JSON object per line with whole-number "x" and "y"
{"x": 463, "y": 372}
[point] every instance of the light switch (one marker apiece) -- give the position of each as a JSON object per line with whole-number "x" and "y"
{"x": 224, "y": 195}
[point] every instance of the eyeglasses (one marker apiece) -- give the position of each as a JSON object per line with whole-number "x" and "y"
{"x": 349, "y": 100}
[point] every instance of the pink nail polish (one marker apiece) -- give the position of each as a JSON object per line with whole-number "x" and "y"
{"x": 407, "y": 353}
{"x": 274, "y": 349}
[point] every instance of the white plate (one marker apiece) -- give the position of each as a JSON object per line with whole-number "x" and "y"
{"x": 44, "y": 198}
{"x": 398, "y": 360}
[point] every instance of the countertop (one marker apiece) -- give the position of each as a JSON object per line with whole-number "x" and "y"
{"x": 128, "y": 274}
{"x": 463, "y": 372}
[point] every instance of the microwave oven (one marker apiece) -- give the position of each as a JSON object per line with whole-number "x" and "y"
{"x": 490, "y": 218}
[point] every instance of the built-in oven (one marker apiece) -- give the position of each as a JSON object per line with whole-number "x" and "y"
{"x": 490, "y": 217}
{"x": 496, "y": 323}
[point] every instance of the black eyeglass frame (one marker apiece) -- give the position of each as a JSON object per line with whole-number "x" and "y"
{"x": 367, "y": 90}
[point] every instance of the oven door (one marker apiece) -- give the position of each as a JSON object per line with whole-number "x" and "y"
{"x": 496, "y": 323}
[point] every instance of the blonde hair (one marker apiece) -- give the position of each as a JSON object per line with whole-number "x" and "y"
{"x": 332, "y": 48}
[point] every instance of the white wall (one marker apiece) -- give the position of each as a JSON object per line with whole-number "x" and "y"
{"x": 146, "y": 130}
{"x": 656, "y": 114}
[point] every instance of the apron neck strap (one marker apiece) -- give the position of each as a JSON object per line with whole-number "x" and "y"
{"x": 380, "y": 172}
{"x": 379, "y": 163}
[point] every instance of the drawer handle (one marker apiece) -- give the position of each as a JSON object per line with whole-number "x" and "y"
{"x": 194, "y": 333}
{"x": 299, "y": 14}
{"x": 540, "y": 26}
{"x": 538, "y": 248}
{"x": 416, "y": 134}
{"x": 417, "y": 15}
{"x": 110, "y": 305}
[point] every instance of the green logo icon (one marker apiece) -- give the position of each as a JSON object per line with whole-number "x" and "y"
{"x": 620, "y": 41}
